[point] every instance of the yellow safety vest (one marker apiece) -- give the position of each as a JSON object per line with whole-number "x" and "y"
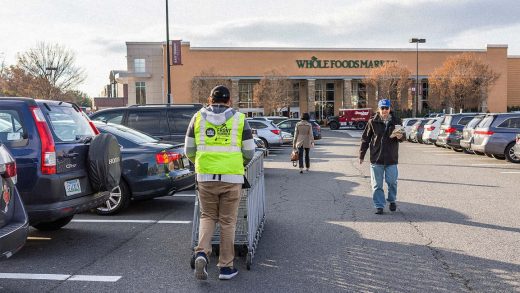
{"x": 219, "y": 147}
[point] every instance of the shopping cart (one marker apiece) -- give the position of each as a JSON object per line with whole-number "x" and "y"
{"x": 251, "y": 215}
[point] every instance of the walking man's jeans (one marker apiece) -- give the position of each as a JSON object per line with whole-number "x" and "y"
{"x": 307, "y": 159}
{"x": 389, "y": 173}
{"x": 219, "y": 203}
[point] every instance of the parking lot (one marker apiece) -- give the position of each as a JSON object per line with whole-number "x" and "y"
{"x": 456, "y": 230}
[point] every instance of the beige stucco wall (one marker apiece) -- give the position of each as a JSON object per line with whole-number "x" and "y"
{"x": 152, "y": 52}
{"x": 254, "y": 62}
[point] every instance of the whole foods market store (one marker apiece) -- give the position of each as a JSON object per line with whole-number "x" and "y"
{"x": 325, "y": 80}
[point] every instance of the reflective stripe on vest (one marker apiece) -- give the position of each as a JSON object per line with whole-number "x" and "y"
{"x": 219, "y": 150}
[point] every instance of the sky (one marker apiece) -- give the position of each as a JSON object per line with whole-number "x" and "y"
{"x": 96, "y": 31}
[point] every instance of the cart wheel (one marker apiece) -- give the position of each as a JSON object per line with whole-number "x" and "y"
{"x": 249, "y": 260}
{"x": 192, "y": 261}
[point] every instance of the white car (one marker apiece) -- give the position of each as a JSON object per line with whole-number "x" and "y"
{"x": 267, "y": 131}
{"x": 431, "y": 130}
{"x": 407, "y": 124}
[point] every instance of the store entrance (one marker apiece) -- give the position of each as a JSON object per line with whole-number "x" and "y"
{"x": 324, "y": 100}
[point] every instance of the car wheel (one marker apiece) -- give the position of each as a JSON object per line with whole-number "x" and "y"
{"x": 457, "y": 150}
{"x": 510, "y": 154}
{"x": 265, "y": 142}
{"x": 54, "y": 225}
{"x": 360, "y": 125}
{"x": 333, "y": 125}
{"x": 467, "y": 151}
{"x": 499, "y": 157}
{"x": 478, "y": 153}
{"x": 489, "y": 155}
{"x": 118, "y": 200}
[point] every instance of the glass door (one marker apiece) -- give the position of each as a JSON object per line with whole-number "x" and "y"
{"x": 324, "y": 100}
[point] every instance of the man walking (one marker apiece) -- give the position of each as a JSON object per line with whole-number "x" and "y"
{"x": 219, "y": 141}
{"x": 379, "y": 135}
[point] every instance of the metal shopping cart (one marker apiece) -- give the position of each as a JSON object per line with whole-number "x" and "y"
{"x": 251, "y": 215}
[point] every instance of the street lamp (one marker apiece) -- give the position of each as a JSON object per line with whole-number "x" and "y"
{"x": 416, "y": 41}
{"x": 168, "y": 55}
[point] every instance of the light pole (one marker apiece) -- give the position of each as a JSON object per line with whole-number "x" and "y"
{"x": 416, "y": 100}
{"x": 169, "y": 94}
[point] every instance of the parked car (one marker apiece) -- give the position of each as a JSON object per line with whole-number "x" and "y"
{"x": 407, "y": 124}
{"x": 417, "y": 130}
{"x": 289, "y": 125}
{"x": 467, "y": 133}
{"x": 167, "y": 123}
{"x": 357, "y": 118}
{"x": 496, "y": 135}
{"x": 14, "y": 222}
{"x": 51, "y": 142}
{"x": 431, "y": 130}
{"x": 267, "y": 131}
{"x": 276, "y": 119}
{"x": 150, "y": 168}
{"x": 260, "y": 146}
{"x": 452, "y": 128}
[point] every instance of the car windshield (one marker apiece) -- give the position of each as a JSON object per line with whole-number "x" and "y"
{"x": 124, "y": 132}
{"x": 67, "y": 124}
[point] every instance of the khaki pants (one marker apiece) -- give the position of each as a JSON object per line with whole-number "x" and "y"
{"x": 219, "y": 204}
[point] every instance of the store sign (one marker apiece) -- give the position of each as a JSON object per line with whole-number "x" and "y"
{"x": 176, "y": 49}
{"x": 314, "y": 62}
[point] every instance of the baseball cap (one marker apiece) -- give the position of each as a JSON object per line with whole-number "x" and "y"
{"x": 384, "y": 103}
{"x": 220, "y": 93}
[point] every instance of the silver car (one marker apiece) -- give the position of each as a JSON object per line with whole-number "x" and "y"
{"x": 516, "y": 148}
{"x": 496, "y": 135}
{"x": 267, "y": 131}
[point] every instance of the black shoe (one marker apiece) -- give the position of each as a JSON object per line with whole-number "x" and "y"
{"x": 379, "y": 211}
{"x": 393, "y": 206}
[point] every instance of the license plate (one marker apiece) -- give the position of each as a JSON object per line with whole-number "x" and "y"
{"x": 186, "y": 162}
{"x": 72, "y": 187}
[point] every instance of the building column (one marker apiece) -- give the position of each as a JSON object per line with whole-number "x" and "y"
{"x": 311, "y": 92}
{"x": 347, "y": 93}
{"x": 234, "y": 93}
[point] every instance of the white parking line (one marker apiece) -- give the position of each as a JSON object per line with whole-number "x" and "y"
{"x": 131, "y": 221}
{"x": 59, "y": 277}
{"x": 512, "y": 172}
{"x": 447, "y": 154}
{"x": 490, "y": 164}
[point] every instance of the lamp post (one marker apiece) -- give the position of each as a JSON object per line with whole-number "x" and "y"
{"x": 169, "y": 94}
{"x": 416, "y": 100}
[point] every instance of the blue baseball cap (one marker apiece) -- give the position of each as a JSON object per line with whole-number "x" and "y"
{"x": 384, "y": 103}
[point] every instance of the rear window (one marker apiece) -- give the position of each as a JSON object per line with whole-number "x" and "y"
{"x": 411, "y": 122}
{"x": 257, "y": 125}
{"x": 474, "y": 122}
{"x": 110, "y": 117}
{"x": 67, "y": 125}
{"x": 431, "y": 121}
{"x": 464, "y": 120}
{"x": 447, "y": 120}
{"x": 486, "y": 122}
{"x": 12, "y": 132}
{"x": 129, "y": 134}
{"x": 510, "y": 123}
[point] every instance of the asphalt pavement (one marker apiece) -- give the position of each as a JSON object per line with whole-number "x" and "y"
{"x": 455, "y": 230}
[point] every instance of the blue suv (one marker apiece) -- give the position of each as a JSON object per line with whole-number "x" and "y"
{"x": 50, "y": 142}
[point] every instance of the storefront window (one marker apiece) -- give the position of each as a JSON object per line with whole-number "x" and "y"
{"x": 362, "y": 96}
{"x": 140, "y": 93}
{"x": 295, "y": 95}
{"x": 245, "y": 95}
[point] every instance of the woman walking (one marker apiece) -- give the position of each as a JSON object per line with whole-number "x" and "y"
{"x": 303, "y": 140}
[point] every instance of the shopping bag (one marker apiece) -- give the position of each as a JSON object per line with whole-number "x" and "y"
{"x": 294, "y": 157}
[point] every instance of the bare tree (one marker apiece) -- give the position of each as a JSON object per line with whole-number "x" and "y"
{"x": 390, "y": 81}
{"x": 54, "y": 63}
{"x": 273, "y": 92}
{"x": 204, "y": 82}
{"x": 461, "y": 82}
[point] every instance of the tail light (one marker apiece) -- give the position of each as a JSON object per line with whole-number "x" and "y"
{"x": 275, "y": 131}
{"x": 166, "y": 157}
{"x": 10, "y": 172}
{"x": 94, "y": 128}
{"x": 484, "y": 132}
{"x": 450, "y": 130}
{"x": 430, "y": 128}
{"x": 48, "y": 158}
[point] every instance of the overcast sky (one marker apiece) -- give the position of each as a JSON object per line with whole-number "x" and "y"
{"x": 97, "y": 30}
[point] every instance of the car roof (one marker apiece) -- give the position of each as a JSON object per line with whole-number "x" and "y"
{"x": 30, "y": 101}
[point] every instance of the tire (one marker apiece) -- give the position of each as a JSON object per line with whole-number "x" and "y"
{"x": 489, "y": 155}
{"x": 265, "y": 142}
{"x": 333, "y": 125}
{"x": 510, "y": 154}
{"x": 104, "y": 162}
{"x": 458, "y": 150}
{"x": 54, "y": 225}
{"x": 119, "y": 200}
{"x": 360, "y": 125}
{"x": 467, "y": 151}
{"x": 478, "y": 153}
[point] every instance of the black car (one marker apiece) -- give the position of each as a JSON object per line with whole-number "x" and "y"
{"x": 52, "y": 143}
{"x": 14, "y": 223}
{"x": 150, "y": 168}
{"x": 450, "y": 133}
{"x": 289, "y": 125}
{"x": 167, "y": 123}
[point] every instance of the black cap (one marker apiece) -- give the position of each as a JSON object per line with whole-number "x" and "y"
{"x": 220, "y": 94}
